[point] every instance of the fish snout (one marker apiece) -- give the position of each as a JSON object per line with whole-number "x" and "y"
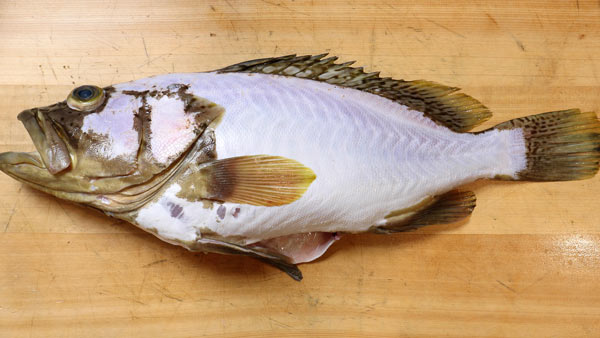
{"x": 27, "y": 114}
{"x": 51, "y": 148}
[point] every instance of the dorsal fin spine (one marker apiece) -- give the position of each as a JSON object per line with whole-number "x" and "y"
{"x": 456, "y": 111}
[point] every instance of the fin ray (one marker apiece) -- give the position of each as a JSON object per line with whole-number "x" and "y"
{"x": 261, "y": 180}
{"x": 560, "y": 146}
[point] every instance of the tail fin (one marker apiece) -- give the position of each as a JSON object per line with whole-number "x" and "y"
{"x": 560, "y": 145}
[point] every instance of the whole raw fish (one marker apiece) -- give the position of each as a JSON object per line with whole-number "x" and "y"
{"x": 274, "y": 158}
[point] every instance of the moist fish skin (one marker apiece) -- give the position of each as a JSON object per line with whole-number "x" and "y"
{"x": 277, "y": 158}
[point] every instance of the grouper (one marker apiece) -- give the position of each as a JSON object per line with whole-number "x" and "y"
{"x": 278, "y": 158}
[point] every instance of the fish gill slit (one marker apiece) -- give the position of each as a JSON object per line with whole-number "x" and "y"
{"x": 162, "y": 183}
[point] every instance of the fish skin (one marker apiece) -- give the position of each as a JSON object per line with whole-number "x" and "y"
{"x": 137, "y": 157}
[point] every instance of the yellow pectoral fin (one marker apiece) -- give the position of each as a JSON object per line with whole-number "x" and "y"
{"x": 260, "y": 180}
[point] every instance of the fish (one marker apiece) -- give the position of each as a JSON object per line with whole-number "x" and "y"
{"x": 278, "y": 158}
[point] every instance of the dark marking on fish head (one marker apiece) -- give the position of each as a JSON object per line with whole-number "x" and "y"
{"x": 236, "y": 212}
{"x": 205, "y": 111}
{"x": 202, "y": 111}
{"x": 70, "y": 121}
{"x": 100, "y": 144}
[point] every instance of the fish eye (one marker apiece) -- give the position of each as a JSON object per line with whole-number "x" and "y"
{"x": 86, "y": 98}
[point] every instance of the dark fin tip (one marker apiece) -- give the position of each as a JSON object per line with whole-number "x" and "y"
{"x": 274, "y": 259}
{"x": 289, "y": 268}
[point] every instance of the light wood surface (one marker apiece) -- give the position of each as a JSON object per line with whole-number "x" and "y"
{"x": 527, "y": 263}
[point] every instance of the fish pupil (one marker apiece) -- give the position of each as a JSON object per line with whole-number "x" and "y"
{"x": 84, "y": 93}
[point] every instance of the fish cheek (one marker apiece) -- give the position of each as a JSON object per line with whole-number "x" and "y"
{"x": 98, "y": 153}
{"x": 94, "y": 159}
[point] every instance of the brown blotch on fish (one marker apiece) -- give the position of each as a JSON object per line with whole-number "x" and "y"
{"x": 135, "y": 93}
{"x": 235, "y": 212}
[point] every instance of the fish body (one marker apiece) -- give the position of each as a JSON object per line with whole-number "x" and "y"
{"x": 275, "y": 158}
{"x": 370, "y": 155}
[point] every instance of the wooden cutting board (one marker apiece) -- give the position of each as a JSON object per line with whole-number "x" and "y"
{"x": 527, "y": 263}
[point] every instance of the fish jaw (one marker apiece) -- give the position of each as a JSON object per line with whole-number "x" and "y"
{"x": 25, "y": 167}
{"x": 29, "y": 168}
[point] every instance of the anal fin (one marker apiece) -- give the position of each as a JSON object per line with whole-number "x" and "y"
{"x": 450, "y": 207}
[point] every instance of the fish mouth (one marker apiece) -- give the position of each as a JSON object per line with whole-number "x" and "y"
{"x": 52, "y": 150}
{"x": 52, "y": 156}
{"x": 29, "y": 168}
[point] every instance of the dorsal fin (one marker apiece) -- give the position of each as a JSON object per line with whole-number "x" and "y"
{"x": 456, "y": 111}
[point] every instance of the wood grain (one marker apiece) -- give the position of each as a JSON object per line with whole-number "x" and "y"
{"x": 526, "y": 264}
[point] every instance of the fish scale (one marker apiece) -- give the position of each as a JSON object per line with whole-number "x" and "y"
{"x": 275, "y": 158}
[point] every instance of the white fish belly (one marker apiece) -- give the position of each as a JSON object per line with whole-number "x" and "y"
{"x": 370, "y": 156}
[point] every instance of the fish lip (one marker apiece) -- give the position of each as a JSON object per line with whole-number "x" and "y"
{"x": 51, "y": 148}
{"x": 12, "y": 158}
{"x": 16, "y": 164}
{"x": 26, "y": 114}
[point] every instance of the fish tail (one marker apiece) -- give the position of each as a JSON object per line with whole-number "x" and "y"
{"x": 558, "y": 146}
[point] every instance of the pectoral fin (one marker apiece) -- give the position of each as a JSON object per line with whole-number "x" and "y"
{"x": 447, "y": 208}
{"x": 256, "y": 180}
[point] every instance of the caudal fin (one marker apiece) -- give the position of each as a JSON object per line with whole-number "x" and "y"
{"x": 560, "y": 146}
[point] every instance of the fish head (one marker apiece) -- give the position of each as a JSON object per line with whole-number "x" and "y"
{"x": 93, "y": 132}
{"x": 99, "y": 142}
